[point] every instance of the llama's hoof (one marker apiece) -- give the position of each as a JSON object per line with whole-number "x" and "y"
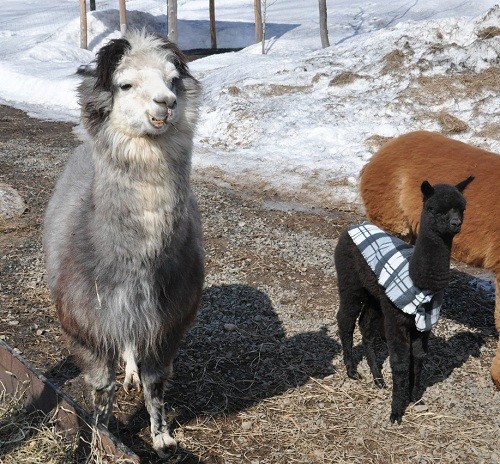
{"x": 164, "y": 444}
{"x": 132, "y": 381}
{"x": 396, "y": 417}
{"x": 379, "y": 382}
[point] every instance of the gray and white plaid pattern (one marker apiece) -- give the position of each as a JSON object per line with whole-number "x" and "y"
{"x": 388, "y": 257}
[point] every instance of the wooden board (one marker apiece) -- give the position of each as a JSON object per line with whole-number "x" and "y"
{"x": 19, "y": 375}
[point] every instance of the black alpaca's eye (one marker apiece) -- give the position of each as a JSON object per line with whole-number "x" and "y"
{"x": 126, "y": 86}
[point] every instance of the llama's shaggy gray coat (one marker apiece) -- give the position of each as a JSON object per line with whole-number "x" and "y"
{"x": 122, "y": 233}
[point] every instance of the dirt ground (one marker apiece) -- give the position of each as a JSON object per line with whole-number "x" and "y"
{"x": 259, "y": 378}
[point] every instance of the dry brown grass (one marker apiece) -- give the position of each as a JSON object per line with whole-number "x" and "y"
{"x": 393, "y": 62}
{"x": 344, "y": 78}
{"x": 489, "y": 32}
{"x": 323, "y": 422}
{"x": 451, "y": 124}
{"x": 30, "y": 437}
{"x": 34, "y": 437}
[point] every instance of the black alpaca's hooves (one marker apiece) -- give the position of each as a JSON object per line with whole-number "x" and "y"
{"x": 380, "y": 383}
{"x": 396, "y": 417}
{"x": 354, "y": 375}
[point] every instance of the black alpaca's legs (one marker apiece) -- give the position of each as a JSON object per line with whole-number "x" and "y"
{"x": 419, "y": 346}
{"x": 369, "y": 325}
{"x": 349, "y": 309}
{"x": 154, "y": 379}
{"x": 399, "y": 345}
{"x": 100, "y": 374}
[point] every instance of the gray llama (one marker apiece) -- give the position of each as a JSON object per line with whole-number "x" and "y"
{"x": 122, "y": 233}
{"x": 396, "y": 289}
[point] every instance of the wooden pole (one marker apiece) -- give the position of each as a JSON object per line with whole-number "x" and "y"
{"x": 123, "y": 17}
{"x": 172, "y": 20}
{"x": 264, "y": 20}
{"x": 83, "y": 24}
{"x": 323, "y": 26}
{"x": 258, "y": 20}
{"x": 213, "y": 33}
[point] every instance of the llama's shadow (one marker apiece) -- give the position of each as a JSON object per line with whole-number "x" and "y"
{"x": 474, "y": 309}
{"x": 236, "y": 355}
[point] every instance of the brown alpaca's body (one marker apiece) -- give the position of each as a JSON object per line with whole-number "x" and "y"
{"x": 389, "y": 189}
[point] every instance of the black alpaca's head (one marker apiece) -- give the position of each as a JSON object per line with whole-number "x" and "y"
{"x": 444, "y": 206}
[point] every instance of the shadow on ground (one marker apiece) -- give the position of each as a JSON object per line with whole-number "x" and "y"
{"x": 236, "y": 355}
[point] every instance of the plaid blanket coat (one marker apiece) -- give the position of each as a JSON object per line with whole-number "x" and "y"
{"x": 388, "y": 257}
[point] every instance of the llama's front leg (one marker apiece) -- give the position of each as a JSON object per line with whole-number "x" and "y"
{"x": 347, "y": 315}
{"x": 419, "y": 348}
{"x": 398, "y": 343}
{"x": 155, "y": 381}
{"x": 100, "y": 375}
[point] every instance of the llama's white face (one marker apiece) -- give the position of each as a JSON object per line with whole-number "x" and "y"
{"x": 145, "y": 100}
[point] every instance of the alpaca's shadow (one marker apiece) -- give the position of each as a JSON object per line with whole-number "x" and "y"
{"x": 474, "y": 308}
{"x": 236, "y": 355}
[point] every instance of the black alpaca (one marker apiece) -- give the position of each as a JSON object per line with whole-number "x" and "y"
{"x": 362, "y": 294}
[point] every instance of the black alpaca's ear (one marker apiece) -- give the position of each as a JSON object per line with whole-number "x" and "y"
{"x": 461, "y": 185}
{"x": 427, "y": 189}
{"x": 108, "y": 58}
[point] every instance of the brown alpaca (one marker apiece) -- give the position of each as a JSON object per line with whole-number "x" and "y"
{"x": 389, "y": 186}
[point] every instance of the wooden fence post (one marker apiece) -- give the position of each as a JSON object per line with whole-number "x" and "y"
{"x": 213, "y": 32}
{"x": 172, "y": 20}
{"x": 323, "y": 26}
{"x": 123, "y": 17}
{"x": 258, "y": 20}
{"x": 83, "y": 24}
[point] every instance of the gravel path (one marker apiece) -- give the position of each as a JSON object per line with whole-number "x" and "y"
{"x": 259, "y": 378}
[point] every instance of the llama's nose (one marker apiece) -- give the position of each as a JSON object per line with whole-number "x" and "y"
{"x": 166, "y": 100}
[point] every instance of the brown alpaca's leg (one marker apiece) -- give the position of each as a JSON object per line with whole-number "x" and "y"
{"x": 495, "y": 366}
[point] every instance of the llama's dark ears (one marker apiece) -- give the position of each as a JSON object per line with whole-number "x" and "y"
{"x": 427, "y": 189}
{"x": 178, "y": 58}
{"x": 461, "y": 185}
{"x": 108, "y": 58}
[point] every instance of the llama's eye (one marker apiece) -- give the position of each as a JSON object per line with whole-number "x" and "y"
{"x": 126, "y": 86}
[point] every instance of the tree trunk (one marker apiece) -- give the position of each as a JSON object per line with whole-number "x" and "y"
{"x": 92, "y": 5}
{"x": 323, "y": 27}
{"x": 258, "y": 21}
{"x": 172, "y": 20}
{"x": 213, "y": 33}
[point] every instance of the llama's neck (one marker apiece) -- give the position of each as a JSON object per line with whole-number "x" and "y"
{"x": 139, "y": 192}
{"x": 430, "y": 262}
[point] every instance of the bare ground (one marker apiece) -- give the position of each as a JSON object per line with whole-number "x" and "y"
{"x": 259, "y": 378}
